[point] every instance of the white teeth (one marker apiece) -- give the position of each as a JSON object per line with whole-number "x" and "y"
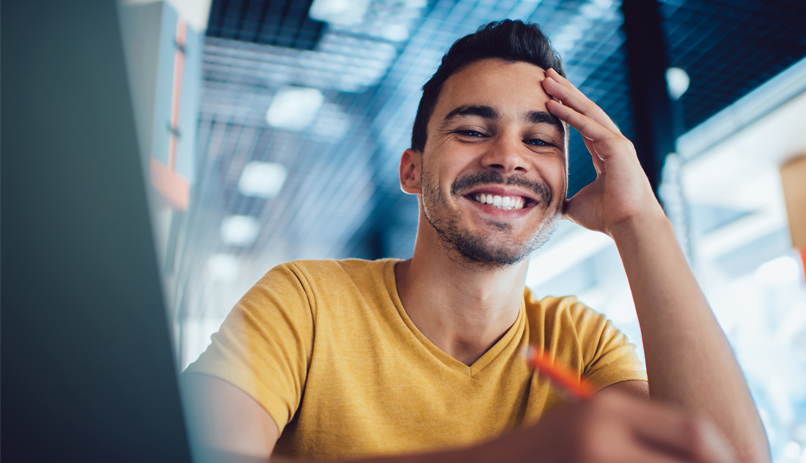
{"x": 501, "y": 202}
{"x": 482, "y": 198}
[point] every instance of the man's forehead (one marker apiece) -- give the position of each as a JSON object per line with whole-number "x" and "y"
{"x": 493, "y": 70}
{"x": 495, "y": 83}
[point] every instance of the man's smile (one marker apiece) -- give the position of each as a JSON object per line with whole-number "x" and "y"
{"x": 506, "y": 202}
{"x": 501, "y": 201}
{"x": 492, "y": 189}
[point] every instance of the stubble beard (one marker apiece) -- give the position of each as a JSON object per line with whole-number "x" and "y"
{"x": 475, "y": 249}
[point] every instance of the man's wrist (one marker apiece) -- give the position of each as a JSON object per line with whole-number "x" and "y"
{"x": 640, "y": 226}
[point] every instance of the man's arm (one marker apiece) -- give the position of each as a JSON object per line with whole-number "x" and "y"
{"x": 225, "y": 423}
{"x": 689, "y": 361}
{"x": 638, "y": 389}
{"x": 228, "y": 426}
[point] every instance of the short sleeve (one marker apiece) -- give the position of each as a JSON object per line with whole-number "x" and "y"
{"x": 584, "y": 340}
{"x": 609, "y": 358}
{"x": 264, "y": 345}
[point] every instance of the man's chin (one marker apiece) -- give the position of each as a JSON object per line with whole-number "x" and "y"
{"x": 480, "y": 251}
{"x": 499, "y": 247}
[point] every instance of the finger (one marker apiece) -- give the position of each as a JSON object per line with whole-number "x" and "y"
{"x": 667, "y": 428}
{"x": 702, "y": 443}
{"x": 642, "y": 454}
{"x": 654, "y": 424}
{"x": 588, "y": 127}
{"x": 572, "y": 97}
{"x": 575, "y": 98}
{"x": 663, "y": 427}
{"x": 710, "y": 445}
{"x": 598, "y": 161}
{"x": 562, "y": 89}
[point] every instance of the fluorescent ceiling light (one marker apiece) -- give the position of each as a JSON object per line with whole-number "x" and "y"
{"x": 781, "y": 270}
{"x": 677, "y": 80}
{"x": 239, "y": 230}
{"x": 294, "y": 108}
{"x": 341, "y": 12}
{"x": 262, "y": 179}
{"x": 395, "y": 32}
{"x": 223, "y": 267}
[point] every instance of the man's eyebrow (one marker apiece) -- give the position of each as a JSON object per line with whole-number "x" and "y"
{"x": 485, "y": 112}
{"x": 542, "y": 117}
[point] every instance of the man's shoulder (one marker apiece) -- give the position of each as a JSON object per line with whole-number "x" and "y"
{"x": 335, "y": 273}
{"x": 333, "y": 267}
{"x": 554, "y": 308}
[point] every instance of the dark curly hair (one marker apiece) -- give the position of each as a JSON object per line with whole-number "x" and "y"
{"x": 512, "y": 41}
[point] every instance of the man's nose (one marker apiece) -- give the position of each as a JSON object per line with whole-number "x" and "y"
{"x": 506, "y": 155}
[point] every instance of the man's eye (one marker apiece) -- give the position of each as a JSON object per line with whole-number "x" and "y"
{"x": 470, "y": 133}
{"x": 537, "y": 142}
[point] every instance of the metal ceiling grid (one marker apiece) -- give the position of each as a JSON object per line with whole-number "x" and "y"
{"x": 287, "y": 231}
{"x": 284, "y": 23}
{"x": 341, "y": 197}
{"x": 730, "y": 47}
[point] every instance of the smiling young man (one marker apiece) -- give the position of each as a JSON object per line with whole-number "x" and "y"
{"x": 421, "y": 360}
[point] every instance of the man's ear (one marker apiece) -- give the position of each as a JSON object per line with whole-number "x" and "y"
{"x": 410, "y": 172}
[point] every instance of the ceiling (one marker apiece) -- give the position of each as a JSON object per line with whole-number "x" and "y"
{"x": 341, "y": 196}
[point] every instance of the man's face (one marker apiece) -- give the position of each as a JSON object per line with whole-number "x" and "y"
{"x": 494, "y": 174}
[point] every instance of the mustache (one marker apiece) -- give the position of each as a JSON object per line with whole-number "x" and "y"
{"x": 494, "y": 177}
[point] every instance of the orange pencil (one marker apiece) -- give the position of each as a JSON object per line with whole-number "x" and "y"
{"x": 559, "y": 374}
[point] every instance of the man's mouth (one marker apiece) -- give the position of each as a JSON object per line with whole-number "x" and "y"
{"x": 508, "y": 203}
{"x": 492, "y": 189}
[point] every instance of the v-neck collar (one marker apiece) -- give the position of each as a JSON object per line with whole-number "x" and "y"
{"x": 450, "y": 362}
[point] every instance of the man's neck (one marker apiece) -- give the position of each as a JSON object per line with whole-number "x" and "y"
{"x": 463, "y": 308}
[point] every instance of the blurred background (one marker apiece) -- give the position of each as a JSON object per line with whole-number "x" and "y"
{"x": 271, "y": 130}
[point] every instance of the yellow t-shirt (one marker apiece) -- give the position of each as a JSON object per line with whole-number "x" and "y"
{"x": 327, "y": 349}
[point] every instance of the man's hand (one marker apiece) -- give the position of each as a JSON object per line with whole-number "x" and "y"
{"x": 613, "y": 427}
{"x": 621, "y": 191}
